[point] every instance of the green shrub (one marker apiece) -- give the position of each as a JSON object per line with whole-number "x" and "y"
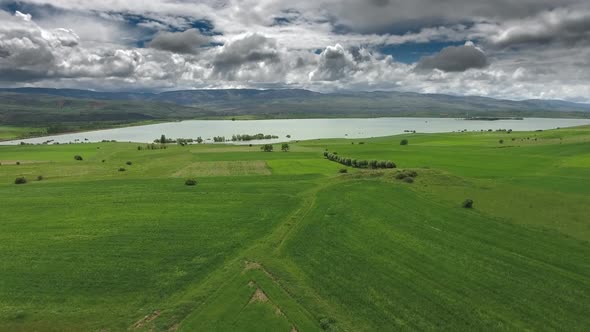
{"x": 121, "y": 169}
{"x": 78, "y": 157}
{"x": 468, "y": 204}
{"x": 343, "y": 170}
{"x": 404, "y": 142}
{"x": 390, "y": 164}
{"x": 129, "y": 163}
{"x": 408, "y": 180}
{"x": 18, "y": 162}
{"x": 190, "y": 182}
{"x": 40, "y": 178}
{"x": 327, "y": 324}
{"x": 20, "y": 180}
{"x": 401, "y": 175}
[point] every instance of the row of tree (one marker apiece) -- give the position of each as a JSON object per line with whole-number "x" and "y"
{"x": 246, "y": 137}
{"x": 216, "y": 139}
{"x": 373, "y": 164}
{"x": 151, "y": 146}
{"x": 269, "y": 147}
{"x": 180, "y": 141}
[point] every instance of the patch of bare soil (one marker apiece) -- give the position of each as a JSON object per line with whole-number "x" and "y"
{"x": 251, "y": 266}
{"x": 258, "y": 296}
{"x": 148, "y": 318}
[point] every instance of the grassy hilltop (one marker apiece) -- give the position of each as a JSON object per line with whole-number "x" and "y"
{"x": 283, "y": 241}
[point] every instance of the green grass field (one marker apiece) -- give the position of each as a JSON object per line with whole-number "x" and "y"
{"x": 282, "y": 241}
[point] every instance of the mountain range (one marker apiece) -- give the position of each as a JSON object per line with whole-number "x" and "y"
{"x": 43, "y": 107}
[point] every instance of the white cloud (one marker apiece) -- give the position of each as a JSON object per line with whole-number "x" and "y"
{"x": 533, "y": 48}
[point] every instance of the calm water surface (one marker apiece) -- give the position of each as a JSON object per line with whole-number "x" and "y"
{"x": 302, "y": 129}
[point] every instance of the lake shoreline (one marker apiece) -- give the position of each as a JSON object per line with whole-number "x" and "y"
{"x": 298, "y": 129}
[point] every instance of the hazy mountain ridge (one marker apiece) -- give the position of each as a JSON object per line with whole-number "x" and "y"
{"x": 44, "y": 107}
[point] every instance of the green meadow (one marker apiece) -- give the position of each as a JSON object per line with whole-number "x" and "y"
{"x": 283, "y": 241}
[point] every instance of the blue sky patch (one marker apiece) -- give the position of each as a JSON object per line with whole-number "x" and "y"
{"x": 412, "y": 52}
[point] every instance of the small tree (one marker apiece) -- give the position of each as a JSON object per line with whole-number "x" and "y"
{"x": 78, "y": 157}
{"x": 501, "y": 141}
{"x": 163, "y": 139}
{"x": 404, "y": 142}
{"x": 267, "y": 148}
{"x": 190, "y": 182}
{"x": 468, "y": 203}
{"x": 326, "y": 154}
{"x": 20, "y": 180}
{"x": 373, "y": 164}
{"x": 285, "y": 147}
{"x": 122, "y": 169}
{"x": 40, "y": 178}
{"x": 129, "y": 163}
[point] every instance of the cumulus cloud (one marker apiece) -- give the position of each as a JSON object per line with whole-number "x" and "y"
{"x": 189, "y": 41}
{"x": 454, "y": 59}
{"x": 335, "y": 63}
{"x": 534, "y": 48}
{"x": 251, "y": 52}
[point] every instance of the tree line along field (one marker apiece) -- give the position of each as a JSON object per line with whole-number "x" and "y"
{"x": 283, "y": 241}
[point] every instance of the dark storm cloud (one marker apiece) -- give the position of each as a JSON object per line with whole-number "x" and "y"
{"x": 380, "y": 16}
{"x": 560, "y": 26}
{"x": 454, "y": 59}
{"x": 251, "y": 49}
{"x": 187, "y": 42}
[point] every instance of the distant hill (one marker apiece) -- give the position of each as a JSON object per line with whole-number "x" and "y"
{"x": 70, "y": 107}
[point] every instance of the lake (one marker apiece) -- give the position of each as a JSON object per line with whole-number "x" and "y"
{"x": 302, "y": 129}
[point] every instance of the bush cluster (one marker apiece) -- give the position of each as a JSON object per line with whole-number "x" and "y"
{"x": 20, "y": 180}
{"x": 152, "y": 146}
{"x": 406, "y": 175}
{"x": 267, "y": 148}
{"x": 468, "y": 203}
{"x": 373, "y": 164}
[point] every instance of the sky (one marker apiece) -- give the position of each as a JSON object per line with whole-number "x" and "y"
{"x": 525, "y": 49}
